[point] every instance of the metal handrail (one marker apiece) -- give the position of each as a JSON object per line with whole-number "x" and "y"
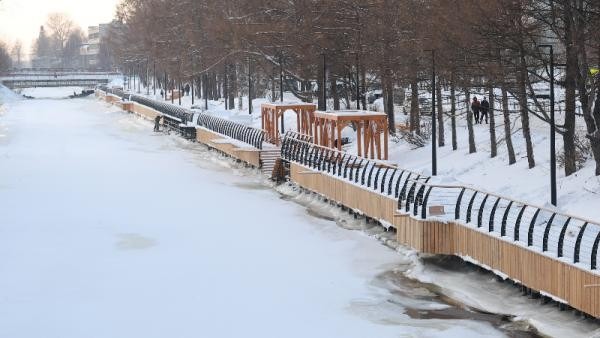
{"x": 563, "y": 234}
{"x": 238, "y": 131}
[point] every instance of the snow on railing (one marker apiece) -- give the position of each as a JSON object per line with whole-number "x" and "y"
{"x": 238, "y": 131}
{"x": 568, "y": 237}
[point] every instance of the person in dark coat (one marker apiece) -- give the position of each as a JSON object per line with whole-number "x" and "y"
{"x": 475, "y": 107}
{"x": 187, "y": 89}
{"x": 157, "y": 123}
{"x": 485, "y": 108}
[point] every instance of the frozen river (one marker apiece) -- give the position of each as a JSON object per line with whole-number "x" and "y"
{"x": 110, "y": 230}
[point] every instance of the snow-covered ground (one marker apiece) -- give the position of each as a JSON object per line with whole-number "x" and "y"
{"x": 109, "y": 230}
{"x": 578, "y": 194}
{"x": 51, "y": 92}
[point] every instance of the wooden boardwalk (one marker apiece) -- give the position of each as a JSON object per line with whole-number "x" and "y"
{"x": 510, "y": 238}
{"x": 568, "y": 283}
{"x": 258, "y": 158}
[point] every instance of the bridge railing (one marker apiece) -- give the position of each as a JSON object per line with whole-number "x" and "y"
{"x": 568, "y": 237}
{"x": 52, "y": 71}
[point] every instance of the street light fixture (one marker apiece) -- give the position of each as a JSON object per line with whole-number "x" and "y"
{"x": 553, "y": 197}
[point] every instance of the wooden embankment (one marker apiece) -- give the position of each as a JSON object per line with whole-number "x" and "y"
{"x": 542, "y": 272}
{"x": 234, "y": 148}
{"x": 564, "y": 282}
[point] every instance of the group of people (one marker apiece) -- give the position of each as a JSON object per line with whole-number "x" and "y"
{"x": 480, "y": 110}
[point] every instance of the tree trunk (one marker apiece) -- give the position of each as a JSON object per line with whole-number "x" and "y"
{"x": 507, "y": 132}
{"x": 440, "y": 116}
{"x": 347, "y": 91}
{"x": 415, "y": 118}
{"x": 594, "y": 136}
{"x": 363, "y": 95}
{"x": 522, "y": 97}
{"x": 453, "y": 113}
{"x": 491, "y": 112}
{"x": 570, "y": 98}
{"x": 592, "y": 120}
{"x": 334, "y": 93}
{"x": 388, "y": 102}
{"x": 472, "y": 145}
{"x": 233, "y": 88}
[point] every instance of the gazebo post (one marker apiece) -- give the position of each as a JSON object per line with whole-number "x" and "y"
{"x": 366, "y": 139}
{"x": 373, "y": 133}
{"x": 276, "y": 132}
{"x": 359, "y": 137}
{"x": 385, "y": 138}
{"x": 315, "y": 127}
{"x": 378, "y": 140}
{"x": 298, "y": 124}
{"x": 339, "y": 138}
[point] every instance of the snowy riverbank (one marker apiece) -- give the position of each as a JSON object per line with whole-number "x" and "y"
{"x": 95, "y": 235}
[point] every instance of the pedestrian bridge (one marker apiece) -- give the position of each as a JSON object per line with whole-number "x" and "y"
{"x": 30, "y": 78}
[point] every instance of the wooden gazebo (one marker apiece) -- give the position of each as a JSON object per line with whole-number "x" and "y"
{"x": 272, "y": 115}
{"x": 371, "y": 131}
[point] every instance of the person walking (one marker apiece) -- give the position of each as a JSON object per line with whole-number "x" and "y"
{"x": 485, "y": 108}
{"x": 157, "y": 123}
{"x": 475, "y": 107}
{"x": 187, "y": 89}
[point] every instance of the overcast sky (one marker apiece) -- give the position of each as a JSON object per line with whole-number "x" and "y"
{"x": 21, "y": 19}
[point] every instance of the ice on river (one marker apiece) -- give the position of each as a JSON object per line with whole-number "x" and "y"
{"x": 110, "y": 230}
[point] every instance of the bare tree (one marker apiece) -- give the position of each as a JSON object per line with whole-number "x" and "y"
{"x": 17, "y": 52}
{"x": 61, "y": 27}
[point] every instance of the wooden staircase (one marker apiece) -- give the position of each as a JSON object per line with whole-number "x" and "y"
{"x": 268, "y": 158}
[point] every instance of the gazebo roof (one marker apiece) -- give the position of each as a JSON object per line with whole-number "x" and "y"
{"x": 350, "y": 115}
{"x": 289, "y": 105}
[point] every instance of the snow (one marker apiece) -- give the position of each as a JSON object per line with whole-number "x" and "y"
{"x": 7, "y": 95}
{"x": 484, "y": 291}
{"x": 110, "y": 230}
{"x": 577, "y": 194}
{"x": 354, "y": 113}
{"x": 51, "y": 92}
{"x": 481, "y": 292}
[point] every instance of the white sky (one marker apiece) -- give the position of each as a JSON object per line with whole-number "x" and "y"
{"x": 21, "y": 19}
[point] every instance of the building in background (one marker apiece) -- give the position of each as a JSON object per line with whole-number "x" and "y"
{"x": 95, "y": 51}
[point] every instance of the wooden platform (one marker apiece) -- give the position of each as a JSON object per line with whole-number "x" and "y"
{"x": 550, "y": 276}
{"x": 231, "y": 147}
{"x": 228, "y": 146}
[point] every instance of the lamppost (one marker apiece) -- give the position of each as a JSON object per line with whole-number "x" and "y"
{"x": 433, "y": 117}
{"x": 553, "y": 198}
